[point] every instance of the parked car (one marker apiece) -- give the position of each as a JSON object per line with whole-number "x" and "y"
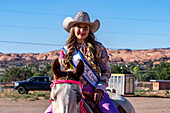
{"x": 33, "y": 83}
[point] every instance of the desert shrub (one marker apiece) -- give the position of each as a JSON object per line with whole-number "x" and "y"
{"x": 166, "y": 92}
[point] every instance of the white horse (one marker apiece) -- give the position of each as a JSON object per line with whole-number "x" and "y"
{"x": 66, "y": 93}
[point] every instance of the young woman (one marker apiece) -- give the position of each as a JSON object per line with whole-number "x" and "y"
{"x": 81, "y": 44}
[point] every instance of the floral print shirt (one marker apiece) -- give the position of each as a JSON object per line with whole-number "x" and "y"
{"x": 103, "y": 71}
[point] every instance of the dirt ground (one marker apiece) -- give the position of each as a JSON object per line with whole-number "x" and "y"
{"x": 141, "y": 105}
{"x": 150, "y": 104}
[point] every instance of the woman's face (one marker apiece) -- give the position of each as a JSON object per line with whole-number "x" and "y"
{"x": 81, "y": 31}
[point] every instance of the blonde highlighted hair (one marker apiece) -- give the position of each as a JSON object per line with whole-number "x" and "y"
{"x": 71, "y": 45}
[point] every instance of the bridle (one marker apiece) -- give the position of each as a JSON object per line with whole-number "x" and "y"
{"x": 67, "y": 81}
{"x": 82, "y": 109}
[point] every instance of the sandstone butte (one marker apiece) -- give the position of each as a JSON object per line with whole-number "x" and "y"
{"x": 119, "y": 56}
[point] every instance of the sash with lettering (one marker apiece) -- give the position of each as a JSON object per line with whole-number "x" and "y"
{"x": 89, "y": 75}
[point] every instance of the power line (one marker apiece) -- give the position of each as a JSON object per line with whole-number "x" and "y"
{"x": 56, "y": 14}
{"x": 43, "y": 28}
{"x": 39, "y": 44}
{"x": 40, "y": 13}
{"x": 137, "y": 33}
{"x": 135, "y": 19}
{"x": 29, "y": 43}
{"x": 16, "y": 26}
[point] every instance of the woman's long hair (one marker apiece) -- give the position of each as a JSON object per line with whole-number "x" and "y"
{"x": 71, "y": 45}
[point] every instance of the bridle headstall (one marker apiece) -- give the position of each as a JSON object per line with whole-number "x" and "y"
{"x": 82, "y": 109}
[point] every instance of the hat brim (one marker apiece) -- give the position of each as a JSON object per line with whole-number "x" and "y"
{"x": 69, "y": 22}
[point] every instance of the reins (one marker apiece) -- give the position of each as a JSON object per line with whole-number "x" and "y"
{"x": 82, "y": 109}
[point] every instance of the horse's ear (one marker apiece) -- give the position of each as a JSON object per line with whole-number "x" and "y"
{"x": 56, "y": 69}
{"x": 79, "y": 69}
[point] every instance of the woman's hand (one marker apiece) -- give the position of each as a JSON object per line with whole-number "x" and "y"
{"x": 98, "y": 94}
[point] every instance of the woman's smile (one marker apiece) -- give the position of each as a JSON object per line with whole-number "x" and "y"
{"x": 81, "y": 32}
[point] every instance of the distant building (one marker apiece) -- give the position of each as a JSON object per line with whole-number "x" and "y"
{"x": 161, "y": 84}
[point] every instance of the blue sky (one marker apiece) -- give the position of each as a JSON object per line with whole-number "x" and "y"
{"x": 35, "y": 26}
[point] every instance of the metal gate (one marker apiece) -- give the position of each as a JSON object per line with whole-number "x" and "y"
{"x": 121, "y": 83}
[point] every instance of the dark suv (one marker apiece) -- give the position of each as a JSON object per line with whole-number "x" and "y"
{"x": 33, "y": 83}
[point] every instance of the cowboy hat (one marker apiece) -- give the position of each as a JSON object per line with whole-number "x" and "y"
{"x": 81, "y": 17}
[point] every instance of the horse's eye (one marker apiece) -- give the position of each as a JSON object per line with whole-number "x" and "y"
{"x": 78, "y": 95}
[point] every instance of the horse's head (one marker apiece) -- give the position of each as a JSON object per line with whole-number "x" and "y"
{"x": 66, "y": 96}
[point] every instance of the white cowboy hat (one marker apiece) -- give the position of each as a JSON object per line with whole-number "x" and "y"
{"x": 81, "y": 17}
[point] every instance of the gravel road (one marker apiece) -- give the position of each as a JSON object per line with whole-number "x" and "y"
{"x": 141, "y": 105}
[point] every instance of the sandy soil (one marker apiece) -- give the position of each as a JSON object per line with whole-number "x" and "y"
{"x": 141, "y": 105}
{"x": 23, "y": 106}
{"x": 150, "y": 104}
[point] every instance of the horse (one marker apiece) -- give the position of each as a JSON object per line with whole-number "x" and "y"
{"x": 66, "y": 92}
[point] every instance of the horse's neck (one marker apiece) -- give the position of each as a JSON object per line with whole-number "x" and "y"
{"x": 87, "y": 108}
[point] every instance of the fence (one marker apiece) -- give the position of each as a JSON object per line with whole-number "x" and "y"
{"x": 6, "y": 87}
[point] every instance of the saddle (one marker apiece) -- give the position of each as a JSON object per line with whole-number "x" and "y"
{"x": 91, "y": 107}
{"x": 89, "y": 104}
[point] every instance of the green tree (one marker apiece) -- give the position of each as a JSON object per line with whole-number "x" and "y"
{"x": 115, "y": 68}
{"x": 131, "y": 68}
{"x": 23, "y": 73}
{"x": 162, "y": 71}
{"x": 119, "y": 69}
{"x": 16, "y": 74}
{"x": 33, "y": 67}
{"x": 136, "y": 68}
{"x": 12, "y": 74}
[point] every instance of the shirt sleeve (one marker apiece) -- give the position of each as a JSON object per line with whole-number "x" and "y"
{"x": 61, "y": 57}
{"x": 104, "y": 67}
